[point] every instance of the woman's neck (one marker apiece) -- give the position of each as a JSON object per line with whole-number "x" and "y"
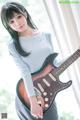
{"x": 28, "y": 32}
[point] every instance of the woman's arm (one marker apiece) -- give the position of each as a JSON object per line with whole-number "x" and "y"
{"x": 24, "y": 69}
{"x": 36, "y": 110}
{"x": 57, "y": 62}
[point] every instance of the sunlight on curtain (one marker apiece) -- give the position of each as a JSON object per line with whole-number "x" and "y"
{"x": 67, "y": 38}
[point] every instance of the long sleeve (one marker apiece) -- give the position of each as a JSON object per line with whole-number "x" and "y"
{"x": 24, "y": 68}
{"x": 57, "y": 62}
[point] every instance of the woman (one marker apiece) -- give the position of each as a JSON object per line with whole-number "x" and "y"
{"x": 29, "y": 49}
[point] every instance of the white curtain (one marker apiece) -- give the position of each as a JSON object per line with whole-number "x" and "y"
{"x": 64, "y": 24}
{"x": 65, "y": 21}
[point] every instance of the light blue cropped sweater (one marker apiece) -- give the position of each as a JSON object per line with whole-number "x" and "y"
{"x": 40, "y": 46}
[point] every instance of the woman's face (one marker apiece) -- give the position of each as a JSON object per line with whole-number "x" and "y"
{"x": 18, "y": 22}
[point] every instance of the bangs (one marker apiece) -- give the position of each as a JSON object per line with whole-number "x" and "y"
{"x": 10, "y": 13}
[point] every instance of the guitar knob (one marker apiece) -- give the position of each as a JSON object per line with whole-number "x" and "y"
{"x": 46, "y": 99}
{"x": 46, "y": 105}
{"x": 50, "y": 94}
{"x": 45, "y": 93}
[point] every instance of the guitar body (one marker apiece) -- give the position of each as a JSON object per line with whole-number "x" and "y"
{"x": 46, "y": 83}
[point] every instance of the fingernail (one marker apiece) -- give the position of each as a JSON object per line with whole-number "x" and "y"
{"x": 41, "y": 117}
{"x": 35, "y": 116}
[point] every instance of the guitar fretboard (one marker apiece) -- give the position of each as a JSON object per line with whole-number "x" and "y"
{"x": 67, "y": 63}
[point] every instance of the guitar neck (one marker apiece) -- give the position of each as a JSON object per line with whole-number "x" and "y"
{"x": 67, "y": 63}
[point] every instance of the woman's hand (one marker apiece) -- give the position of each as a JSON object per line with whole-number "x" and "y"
{"x": 40, "y": 101}
{"x": 37, "y": 105}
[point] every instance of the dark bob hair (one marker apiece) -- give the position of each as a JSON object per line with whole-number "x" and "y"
{"x": 7, "y": 13}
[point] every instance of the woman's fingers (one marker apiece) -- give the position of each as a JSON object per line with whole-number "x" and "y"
{"x": 40, "y": 101}
{"x": 37, "y": 107}
{"x": 35, "y": 116}
{"x": 38, "y": 113}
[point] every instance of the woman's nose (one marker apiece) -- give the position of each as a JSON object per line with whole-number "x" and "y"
{"x": 17, "y": 23}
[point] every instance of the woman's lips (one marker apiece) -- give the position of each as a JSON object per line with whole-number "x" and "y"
{"x": 21, "y": 26}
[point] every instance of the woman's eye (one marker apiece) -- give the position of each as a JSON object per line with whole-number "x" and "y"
{"x": 19, "y": 16}
{"x": 11, "y": 22}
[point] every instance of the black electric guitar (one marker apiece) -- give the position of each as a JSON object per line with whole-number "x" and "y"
{"x": 46, "y": 80}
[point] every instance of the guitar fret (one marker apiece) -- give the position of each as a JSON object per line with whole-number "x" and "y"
{"x": 52, "y": 77}
{"x": 40, "y": 87}
{"x": 46, "y": 82}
